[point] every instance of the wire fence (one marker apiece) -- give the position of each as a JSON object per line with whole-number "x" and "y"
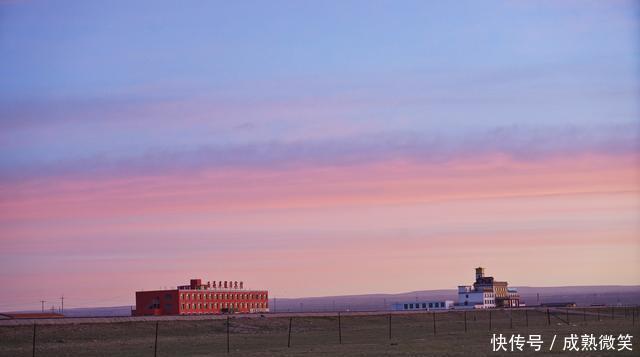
{"x": 231, "y": 334}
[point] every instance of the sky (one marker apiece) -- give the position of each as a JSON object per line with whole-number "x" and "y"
{"x": 315, "y": 148}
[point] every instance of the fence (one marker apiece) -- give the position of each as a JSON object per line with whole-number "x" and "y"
{"x": 230, "y": 334}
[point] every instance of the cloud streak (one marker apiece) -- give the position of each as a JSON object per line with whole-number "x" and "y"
{"x": 517, "y": 142}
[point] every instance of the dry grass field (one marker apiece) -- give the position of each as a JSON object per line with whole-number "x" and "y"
{"x": 362, "y": 335}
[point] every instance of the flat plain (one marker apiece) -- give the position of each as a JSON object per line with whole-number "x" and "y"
{"x": 361, "y": 334}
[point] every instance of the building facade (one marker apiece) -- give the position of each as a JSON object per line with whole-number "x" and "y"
{"x": 198, "y": 298}
{"x": 487, "y": 293}
{"x": 422, "y": 305}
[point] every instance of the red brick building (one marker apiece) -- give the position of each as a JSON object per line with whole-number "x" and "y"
{"x": 197, "y": 299}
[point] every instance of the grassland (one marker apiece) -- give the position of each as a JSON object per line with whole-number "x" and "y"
{"x": 362, "y": 335}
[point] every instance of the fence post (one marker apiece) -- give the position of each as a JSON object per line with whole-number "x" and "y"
{"x": 339, "y": 329}
{"x": 289, "y": 338}
{"x": 389, "y": 326}
{"x": 567, "y": 312}
{"x": 465, "y": 321}
{"x": 584, "y": 314}
{"x": 434, "y": 323}
{"x": 489, "y": 319}
{"x": 228, "y": 349}
{"x": 155, "y": 344}
{"x": 612, "y": 312}
{"x": 34, "y": 339}
{"x": 526, "y": 317}
{"x": 548, "y": 318}
{"x": 598, "y": 313}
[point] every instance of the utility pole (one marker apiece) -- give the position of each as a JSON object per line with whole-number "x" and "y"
{"x": 155, "y": 345}
{"x": 340, "y": 327}
{"x": 228, "y": 334}
{"x": 62, "y": 304}
{"x": 465, "y": 321}
{"x": 34, "y": 340}
{"x": 289, "y": 338}
{"x": 42, "y": 301}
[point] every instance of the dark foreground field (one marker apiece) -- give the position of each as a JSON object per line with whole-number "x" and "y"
{"x": 362, "y": 335}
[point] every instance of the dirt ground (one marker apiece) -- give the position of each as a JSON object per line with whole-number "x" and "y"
{"x": 358, "y": 335}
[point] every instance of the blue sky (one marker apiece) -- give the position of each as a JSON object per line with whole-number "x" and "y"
{"x": 379, "y": 68}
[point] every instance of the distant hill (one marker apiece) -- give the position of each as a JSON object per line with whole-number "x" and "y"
{"x": 110, "y": 311}
{"x": 581, "y": 295}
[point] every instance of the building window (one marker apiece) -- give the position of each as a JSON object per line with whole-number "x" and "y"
{"x": 430, "y": 304}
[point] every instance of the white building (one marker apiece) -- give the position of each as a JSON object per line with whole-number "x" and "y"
{"x": 487, "y": 293}
{"x": 469, "y": 297}
{"x": 422, "y": 305}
